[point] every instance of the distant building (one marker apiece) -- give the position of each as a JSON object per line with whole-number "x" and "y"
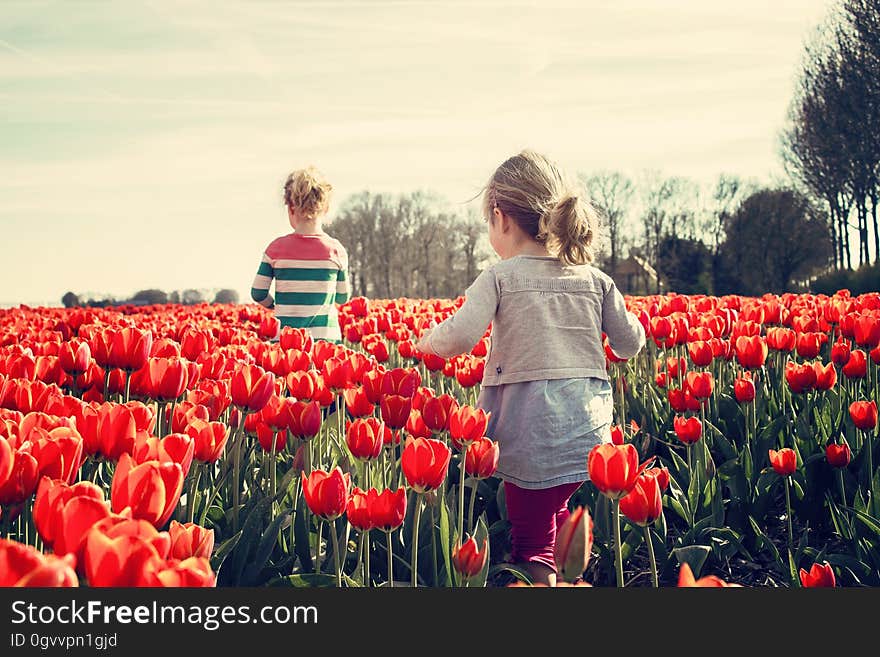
{"x": 635, "y": 276}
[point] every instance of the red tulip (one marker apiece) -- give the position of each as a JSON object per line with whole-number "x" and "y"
{"x": 7, "y": 459}
{"x": 327, "y": 493}
{"x": 436, "y": 412}
{"x": 190, "y": 540}
{"x": 857, "y": 365}
{"x": 751, "y": 352}
{"x": 826, "y": 376}
{"x": 686, "y": 579}
{"x": 22, "y": 480}
{"x": 123, "y": 552}
{"x": 387, "y": 509}
{"x": 416, "y": 427}
{"x": 866, "y": 329}
{"x": 820, "y": 575}
{"x": 337, "y": 374}
{"x": 425, "y": 462}
{"x": 395, "y": 410}
{"x": 400, "y": 381}
{"x": 75, "y": 357}
{"x": 129, "y": 348}
{"x": 800, "y": 377}
{"x": 469, "y": 559}
{"x": 63, "y": 514}
{"x": 269, "y": 327}
{"x": 840, "y": 352}
{"x": 864, "y": 414}
{"x": 301, "y": 385}
{"x": 744, "y": 389}
{"x": 700, "y": 353}
{"x": 838, "y": 455}
{"x": 190, "y": 573}
{"x": 150, "y": 489}
{"x": 174, "y": 448}
{"x": 661, "y": 475}
{"x": 184, "y": 413}
{"x": 808, "y": 345}
{"x": 25, "y": 566}
{"x": 372, "y": 384}
{"x": 305, "y": 419}
{"x": 356, "y": 402}
{"x": 701, "y": 384}
{"x": 358, "y": 512}
{"x": 251, "y": 387}
{"x": 689, "y": 430}
{"x": 467, "y": 424}
{"x": 209, "y": 438}
{"x": 784, "y": 461}
{"x": 613, "y": 468}
{"x": 644, "y": 503}
{"x": 574, "y": 542}
{"x": 58, "y": 452}
{"x": 295, "y": 338}
{"x": 270, "y": 439}
{"x": 481, "y": 458}
{"x": 166, "y": 378}
{"x": 365, "y": 438}
{"x": 781, "y": 339}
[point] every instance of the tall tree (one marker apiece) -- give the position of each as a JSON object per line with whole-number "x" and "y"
{"x": 611, "y": 192}
{"x": 775, "y": 237}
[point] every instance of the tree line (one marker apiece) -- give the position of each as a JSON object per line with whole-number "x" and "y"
{"x": 188, "y": 297}
{"x": 831, "y": 146}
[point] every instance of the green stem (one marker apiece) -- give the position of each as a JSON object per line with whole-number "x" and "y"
{"x": 318, "y": 546}
{"x": 618, "y": 555}
{"x": 236, "y": 470}
{"x": 841, "y": 486}
{"x": 390, "y": 561}
{"x": 332, "y": 528}
{"x": 650, "y": 543}
{"x": 127, "y": 384}
{"x": 869, "y": 461}
{"x": 415, "y": 545}
{"x": 471, "y": 505}
{"x": 366, "y": 537}
{"x": 788, "y": 514}
{"x": 434, "y": 547}
{"x": 190, "y": 498}
{"x": 461, "y": 478}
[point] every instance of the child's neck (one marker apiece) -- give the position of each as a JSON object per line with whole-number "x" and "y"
{"x": 529, "y": 247}
{"x": 309, "y": 228}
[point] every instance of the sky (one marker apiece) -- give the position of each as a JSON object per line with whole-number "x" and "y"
{"x": 145, "y": 144}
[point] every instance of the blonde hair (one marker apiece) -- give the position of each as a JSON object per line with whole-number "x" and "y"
{"x": 533, "y": 191}
{"x": 308, "y": 191}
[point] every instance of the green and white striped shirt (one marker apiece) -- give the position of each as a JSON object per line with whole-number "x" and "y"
{"x": 311, "y": 277}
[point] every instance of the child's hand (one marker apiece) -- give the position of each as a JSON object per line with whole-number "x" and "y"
{"x": 422, "y": 344}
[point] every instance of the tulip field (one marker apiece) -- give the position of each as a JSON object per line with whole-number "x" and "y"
{"x": 199, "y": 446}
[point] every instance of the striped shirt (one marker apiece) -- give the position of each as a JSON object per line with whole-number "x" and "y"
{"x": 311, "y": 277}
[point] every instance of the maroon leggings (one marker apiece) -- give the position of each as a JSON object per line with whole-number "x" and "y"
{"x": 535, "y": 516}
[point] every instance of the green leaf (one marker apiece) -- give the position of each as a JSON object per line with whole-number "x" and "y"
{"x": 264, "y": 550}
{"x": 520, "y": 574}
{"x": 305, "y": 580}
{"x": 301, "y": 533}
{"x": 763, "y": 540}
{"x": 868, "y": 521}
{"x": 223, "y": 550}
{"x": 445, "y": 535}
{"x": 694, "y": 556}
{"x": 481, "y": 535}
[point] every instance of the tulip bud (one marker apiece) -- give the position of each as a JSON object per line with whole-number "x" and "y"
{"x": 574, "y": 542}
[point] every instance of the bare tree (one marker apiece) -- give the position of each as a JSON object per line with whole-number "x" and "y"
{"x": 612, "y": 193}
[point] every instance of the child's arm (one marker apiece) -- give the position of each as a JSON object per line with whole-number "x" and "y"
{"x": 626, "y": 336}
{"x": 343, "y": 288}
{"x": 460, "y": 332}
{"x": 262, "y": 281}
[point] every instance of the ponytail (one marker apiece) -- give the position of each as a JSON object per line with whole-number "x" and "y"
{"x": 536, "y": 194}
{"x": 571, "y": 225}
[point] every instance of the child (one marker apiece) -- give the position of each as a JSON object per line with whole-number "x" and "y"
{"x": 545, "y": 381}
{"x": 310, "y": 268}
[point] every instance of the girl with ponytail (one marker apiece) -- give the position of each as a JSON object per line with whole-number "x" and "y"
{"x": 545, "y": 384}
